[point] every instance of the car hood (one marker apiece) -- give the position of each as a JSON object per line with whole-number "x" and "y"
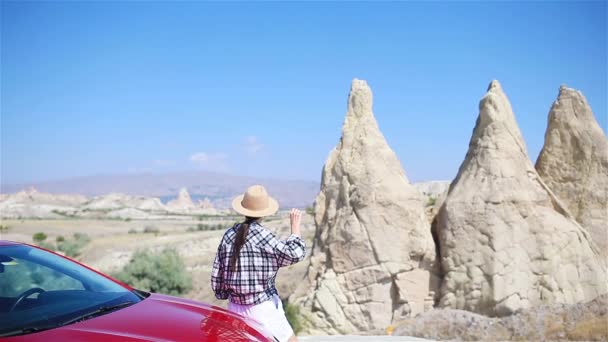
{"x": 158, "y": 318}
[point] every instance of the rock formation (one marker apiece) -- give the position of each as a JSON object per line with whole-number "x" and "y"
{"x": 373, "y": 251}
{"x": 118, "y": 205}
{"x": 506, "y": 242}
{"x": 574, "y": 163}
{"x": 129, "y": 213}
{"x": 152, "y": 204}
{"x": 33, "y": 204}
{"x": 183, "y": 202}
{"x": 205, "y": 204}
{"x": 31, "y": 195}
{"x": 111, "y": 201}
{"x": 550, "y": 322}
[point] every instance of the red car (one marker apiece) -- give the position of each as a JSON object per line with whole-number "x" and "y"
{"x": 48, "y": 297}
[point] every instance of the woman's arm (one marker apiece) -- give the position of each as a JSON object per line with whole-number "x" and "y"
{"x": 293, "y": 249}
{"x": 217, "y": 278}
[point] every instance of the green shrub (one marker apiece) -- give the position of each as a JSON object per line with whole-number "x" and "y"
{"x": 46, "y": 245}
{"x": 310, "y": 211}
{"x": 4, "y": 228}
{"x": 151, "y": 229}
{"x": 69, "y": 248}
{"x": 63, "y": 213}
{"x": 72, "y": 247}
{"x": 39, "y": 237}
{"x": 163, "y": 272}
{"x": 60, "y": 238}
{"x": 431, "y": 202}
{"x": 132, "y": 231}
{"x": 191, "y": 229}
{"x": 292, "y": 312}
{"x": 82, "y": 237}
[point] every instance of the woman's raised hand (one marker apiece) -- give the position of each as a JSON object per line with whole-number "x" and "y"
{"x": 295, "y": 217}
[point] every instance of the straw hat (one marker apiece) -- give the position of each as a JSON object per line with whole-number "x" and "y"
{"x": 255, "y": 202}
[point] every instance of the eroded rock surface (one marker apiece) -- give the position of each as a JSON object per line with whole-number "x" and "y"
{"x": 373, "y": 251}
{"x": 506, "y": 241}
{"x": 555, "y": 322}
{"x": 183, "y": 202}
{"x": 574, "y": 163}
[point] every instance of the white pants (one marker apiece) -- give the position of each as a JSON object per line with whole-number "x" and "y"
{"x": 269, "y": 313}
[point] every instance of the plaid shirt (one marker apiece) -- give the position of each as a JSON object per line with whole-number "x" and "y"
{"x": 259, "y": 260}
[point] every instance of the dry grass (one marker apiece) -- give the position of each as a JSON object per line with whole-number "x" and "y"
{"x": 592, "y": 329}
{"x": 588, "y": 328}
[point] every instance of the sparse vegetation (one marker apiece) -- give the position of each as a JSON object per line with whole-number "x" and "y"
{"x": 46, "y": 245}
{"x": 219, "y": 217}
{"x": 151, "y": 229}
{"x": 593, "y": 329}
{"x": 82, "y": 237}
{"x": 292, "y": 312}
{"x": 431, "y": 201}
{"x": 69, "y": 247}
{"x": 132, "y": 231}
{"x": 4, "y": 228}
{"x": 63, "y": 213}
{"x": 163, "y": 272}
{"x": 40, "y": 240}
{"x": 310, "y": 210}
{"x": 201, "y": 227}
{"x": 551, "y": 322}
{"x": 39, "y": 237}
{"x": 73, "y": 247}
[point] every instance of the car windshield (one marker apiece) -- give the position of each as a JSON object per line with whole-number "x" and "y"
{"x": 40, "y": 290}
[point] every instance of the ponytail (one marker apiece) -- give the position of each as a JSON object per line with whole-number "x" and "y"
{"x": 239, "y": 240}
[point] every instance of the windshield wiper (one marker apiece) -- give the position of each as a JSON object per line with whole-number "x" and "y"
{"x": 99, "y": 311}
{"x": 27, "y": 330}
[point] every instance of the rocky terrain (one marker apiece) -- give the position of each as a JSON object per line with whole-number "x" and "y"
{"x": 506, "y": 241}
{"x": 574, "y": 163}
{"x": 558, "y": 322}
{"x": 31, "y": 204}
{"x": 373, "y": 257}
{"x": 218, "y": 188}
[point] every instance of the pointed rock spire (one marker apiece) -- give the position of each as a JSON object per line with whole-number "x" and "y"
{"x": 505, "y": 240}
{"x": 182, "y": 202}
{"x": 574, "y": 163}
{"x": 373, "y": 251}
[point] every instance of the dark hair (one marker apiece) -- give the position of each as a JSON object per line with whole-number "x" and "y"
{"x": 239, "y": 240}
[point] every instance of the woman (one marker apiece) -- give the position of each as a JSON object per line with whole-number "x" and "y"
{"x": 248, "y": 259}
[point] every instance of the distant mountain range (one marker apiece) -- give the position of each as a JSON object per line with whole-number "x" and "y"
{"x": 219, "y": 188}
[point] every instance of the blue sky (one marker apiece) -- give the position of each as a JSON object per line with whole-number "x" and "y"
{"x": 260, "y": 88}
